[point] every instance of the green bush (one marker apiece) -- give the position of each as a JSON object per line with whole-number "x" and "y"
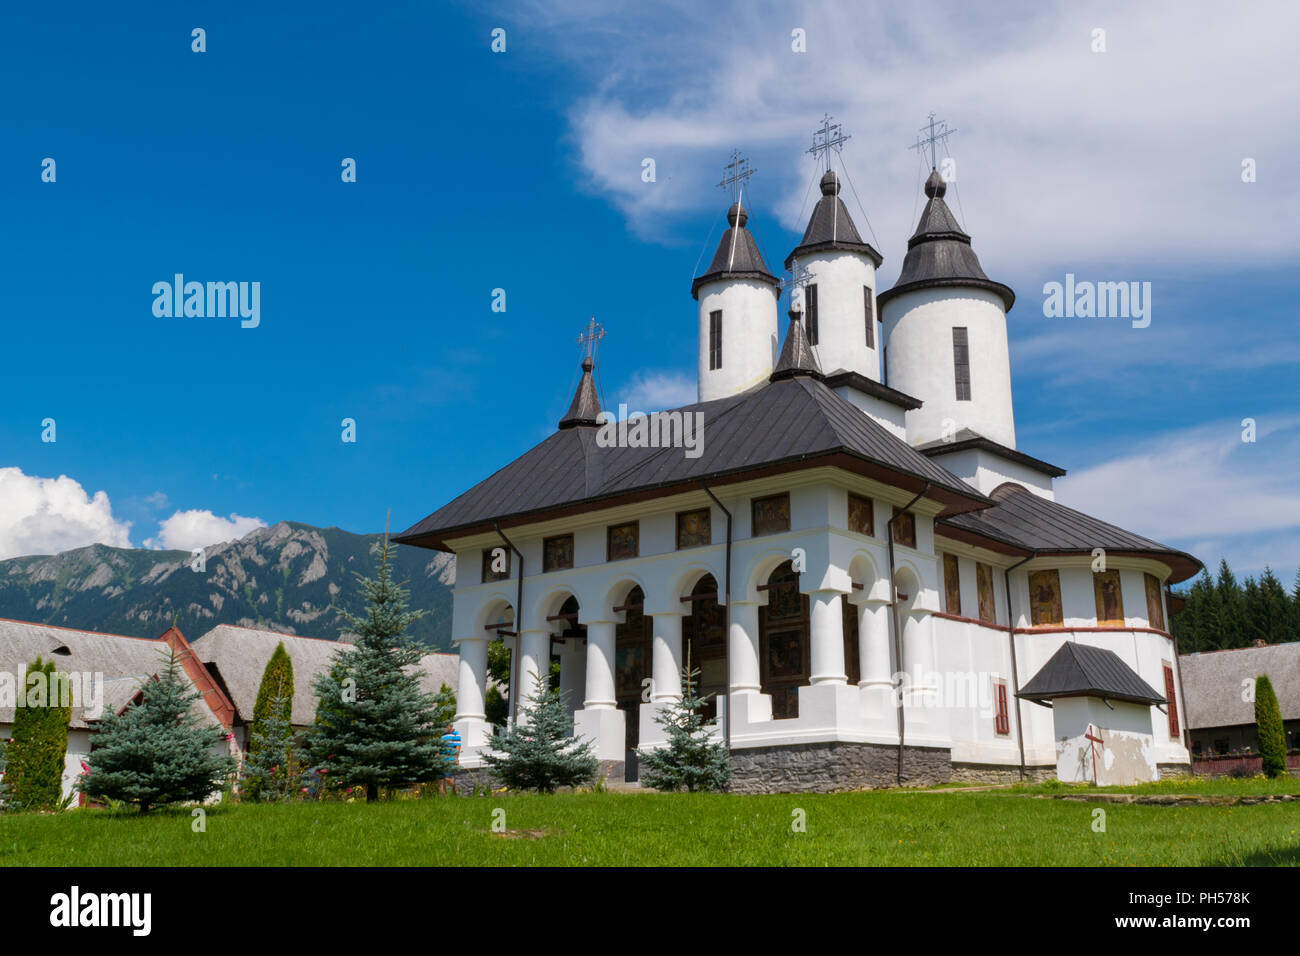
{"x": 1268, "y": 724}
{"x": 34, "y": 777}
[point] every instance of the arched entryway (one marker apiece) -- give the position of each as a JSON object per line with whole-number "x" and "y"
{"x": 704, "y": 643}
{"x": 632, "y": 665}
{"x": 569, "y": 644}
{"x": 783, "y": 641}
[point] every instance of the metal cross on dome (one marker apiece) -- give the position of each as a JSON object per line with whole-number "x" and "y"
{"x": 938, "y": 132}
{"x": 735, "y": 174}
{"x": 799, "y": 279}
{"x": 590, "y": 337}
{"x": 830, "y": 137}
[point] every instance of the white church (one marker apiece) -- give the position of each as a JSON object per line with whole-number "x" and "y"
{"x": 877, "y": 586}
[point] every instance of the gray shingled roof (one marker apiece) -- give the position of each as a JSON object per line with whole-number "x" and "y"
{"x": 1213, "y": 682}
{"x": 797, "y": 356}
{"x": 831, "y": 227}
{"x": 940, "y": 254}
{"x": 1081, "y": 670}
{"x": 238, "y": 656}
{"x": 585, "y": 407}
{"x": 125, "y": 662}
{"x": 784, "y": 422}
{"x": 1032, "y": 523}
{"x": 737, "y": 256}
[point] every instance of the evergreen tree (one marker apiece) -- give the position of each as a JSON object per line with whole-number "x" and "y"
{"x": 158, "y": 751}
{"x": 539, "y": 752}
{"x": 34, "y": 779}
{"x": 1231, "y": 623}
{"x": 1268, "y": 728}
{"x": 274, "y": 701}
{"x": 374, "y": 727}
{"x": 1275, "y": 610}
{"x": 693, "y": 759}
{"x": 272, "y": 770}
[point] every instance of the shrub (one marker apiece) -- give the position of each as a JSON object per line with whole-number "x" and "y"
{"x": 1268, "y": 724}
{"x": 539, "y": 752}
{"x": 34, "y": 779}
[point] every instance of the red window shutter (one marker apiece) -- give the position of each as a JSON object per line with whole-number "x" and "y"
{"x": 1173, "y": 701}
{"x": 1002, "y": 724}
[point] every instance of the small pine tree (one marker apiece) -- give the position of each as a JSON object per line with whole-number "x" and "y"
{"x": 36, "y": 757}
{"x": 158, "y": 751}
{"x": 539, "y": 752}
{"x": 693, "y": 759}
{"x": 374, "y": 727}
{"x": 1268, "y": 726}
{"x": 274, "y": 701}
{"x": 272, "y": 771}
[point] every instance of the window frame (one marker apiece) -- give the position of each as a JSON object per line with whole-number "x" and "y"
{"x": 870, "y": 313}
{"x": 715, "y": 340}
{"x": 961, "y": 362}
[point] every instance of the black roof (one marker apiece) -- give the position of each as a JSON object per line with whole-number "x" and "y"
{"x": 940, "y": 254}
{"x": 831, "y": 227}
{"x": 585, "y": 407}
{"x": 797, "y": 357}
{"x": 1031, "y": 523}
{"x": 966, "y": 439}
{"x": 737, "y": 256}
{"x": 791, "y": 423}
{"x": 871, "y": 387}
{"x": 1081, "y": 670}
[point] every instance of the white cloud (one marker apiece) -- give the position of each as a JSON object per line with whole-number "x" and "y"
{"x": 1065, "y": 157}
{"x": 198, "y": 528}
{"x": 655, "y": 391}
{"x": 1207, "y": 491}
{"x": 48, "y": 515}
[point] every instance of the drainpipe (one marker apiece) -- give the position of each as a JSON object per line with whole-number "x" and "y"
{"x": 893, "y": 614}
{"x": 726, "y": 645}
{"x": 519, "y": 629}
{"x": 1015, "y": 674}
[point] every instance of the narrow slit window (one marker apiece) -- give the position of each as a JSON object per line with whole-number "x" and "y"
{"x": 810, "y": 301}
{"x": 961, "y": 363}
{"x": 715, "y": 340}
{"x": 870, "y": 317}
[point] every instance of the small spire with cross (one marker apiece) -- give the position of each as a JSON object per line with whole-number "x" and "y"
{"x": 798, "y": 280}
{"x": 831, "y": 136}
{"x": 735, "y": 174}
{"x": 936, "y": 132}
{"x": 589, "y": 339}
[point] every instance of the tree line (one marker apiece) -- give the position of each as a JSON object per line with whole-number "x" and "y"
{"x": 1222, "y": 612}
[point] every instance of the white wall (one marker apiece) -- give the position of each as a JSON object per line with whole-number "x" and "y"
{"x": 749, "y": 341}
{"x": 841, "y": 318}
{"x": 918, "y": 333}
{"x": 986, "y": 471}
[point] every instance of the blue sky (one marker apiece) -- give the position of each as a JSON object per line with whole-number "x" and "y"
{"x": 522, "y": 170}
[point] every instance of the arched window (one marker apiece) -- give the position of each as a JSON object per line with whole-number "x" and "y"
{"x": 704, "y": 642}
{"x": 783, "y": 641}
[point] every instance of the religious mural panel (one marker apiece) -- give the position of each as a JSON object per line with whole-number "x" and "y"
{"x": 622, "y": 541}
{"x": 904, "y": 528}
{"x": 862, "y": 515}
{"x": 771, "y": 515}
{"x": 1155, "y": 607}
{"x": 694, "y": 528}
{"x": 951, "y": 584}
{"x": 1109, "y": 600}
{"x": 496, "y": 563}
{"x": 1045, "y": 598}
{"x": 557, "y": 553}
{"x": 984, "y": 583}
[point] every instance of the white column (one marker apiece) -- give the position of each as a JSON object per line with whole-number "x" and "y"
{"x": 873, "y": 643}
{"x": 743, "y": 637}
{"x": 534, "y": 661}
{"x": 471, "y": 687}
{"x": 600, "y": 666}
{"x": 827, "y": 626}
{"x": 666, "y": 659}
{"x": 916, "y": 647}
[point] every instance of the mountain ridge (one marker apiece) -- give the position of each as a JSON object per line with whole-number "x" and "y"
{"x": 289, "y": 576}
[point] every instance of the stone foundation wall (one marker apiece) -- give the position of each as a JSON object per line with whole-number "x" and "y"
{"x": 1168, "y": 770}
{"x": 828, "y": 767}
{"x": 480, "y": 781}
{"x": 977, "y": 773}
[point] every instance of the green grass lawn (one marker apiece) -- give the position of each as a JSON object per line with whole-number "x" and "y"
{"x": 604, "y": 829}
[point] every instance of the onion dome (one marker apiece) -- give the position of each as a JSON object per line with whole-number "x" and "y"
{"x": 737, "y": 256}
{"x": 940, "y": 254}
{"x": 830, "y": 226}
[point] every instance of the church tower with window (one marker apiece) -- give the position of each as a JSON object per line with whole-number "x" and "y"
{"x": 737, "y": 297}
{"x": 945, "y": 327}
